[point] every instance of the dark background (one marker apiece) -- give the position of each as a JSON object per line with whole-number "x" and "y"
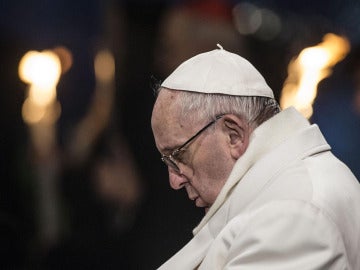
{"x": 96, "y": 232}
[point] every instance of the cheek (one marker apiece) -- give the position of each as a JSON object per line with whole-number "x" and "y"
{"x": 211, "y": 172}
{"x": 215, "y": 161}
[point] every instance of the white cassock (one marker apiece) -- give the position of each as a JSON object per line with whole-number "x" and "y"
{"x": 287, "y": 204}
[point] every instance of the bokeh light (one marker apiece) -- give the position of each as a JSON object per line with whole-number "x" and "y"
{"x": 41, "y": 70}
{"x": 263, "y": 23}
{"x": 104, "y": 64}
{"x": 306, "y": 71}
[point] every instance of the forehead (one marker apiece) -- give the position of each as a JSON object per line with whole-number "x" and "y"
{"x": 168, "y": 126}
{"x": 166, "y": 109}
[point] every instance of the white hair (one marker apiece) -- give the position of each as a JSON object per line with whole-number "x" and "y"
{"x": 200, "y": 106}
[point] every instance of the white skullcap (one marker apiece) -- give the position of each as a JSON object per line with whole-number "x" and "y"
{"x": 218, "y": 72}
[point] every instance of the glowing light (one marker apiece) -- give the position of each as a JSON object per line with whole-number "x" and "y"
{"x": 104, "y": 66}
{"x": 41, "y": 70}
{"x": 306, "y": 71}
{"x": 41, "y": 96}
{"x": 32, "y": 114}
{"x": 65, "y": 58}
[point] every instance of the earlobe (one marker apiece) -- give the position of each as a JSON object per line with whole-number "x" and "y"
{"x": 237, "y": 132}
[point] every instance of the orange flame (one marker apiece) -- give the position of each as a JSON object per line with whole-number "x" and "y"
{"x": 41, "y": 70}
{"x": 306, "y": 71}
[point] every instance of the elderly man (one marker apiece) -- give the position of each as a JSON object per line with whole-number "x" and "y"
{"x": 274, "y": 195}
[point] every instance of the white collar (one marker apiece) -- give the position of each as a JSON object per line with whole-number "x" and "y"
{"x": 265, "y": 137}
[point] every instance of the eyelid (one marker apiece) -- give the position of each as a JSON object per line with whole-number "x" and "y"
{"x": 174, "y": 150}
{"x": 177, "y": 152}
{"x": 168, "y": 150}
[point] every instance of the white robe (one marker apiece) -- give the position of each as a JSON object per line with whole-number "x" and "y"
{"x": 287, "y": 204}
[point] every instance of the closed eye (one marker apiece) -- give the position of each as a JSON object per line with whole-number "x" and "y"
{"x": 179, "y": 154}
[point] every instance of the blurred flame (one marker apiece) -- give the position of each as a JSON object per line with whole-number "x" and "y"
{"x": 306, "y": 71}
{"x": 41, "y": 96}
{"x": 104, "y": 66}
{"x": 41, "y": 70}
{"x": 65, "y": 58}
{"x": 99, "y": 114}
{"x": 32, "y": 114}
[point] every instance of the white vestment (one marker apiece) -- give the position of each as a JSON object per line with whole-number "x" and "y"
{"x": 287, "y": 204}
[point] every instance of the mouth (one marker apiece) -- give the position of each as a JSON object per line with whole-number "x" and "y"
{"x": 199, "y": 202}
{"x": 196, "y": 200}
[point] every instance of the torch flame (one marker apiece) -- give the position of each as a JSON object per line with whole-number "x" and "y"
{"x": 306, "y": 71}
{"x": 41, "y": 70}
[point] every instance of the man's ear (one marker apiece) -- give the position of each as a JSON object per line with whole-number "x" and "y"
{"x": 238, "y": 132}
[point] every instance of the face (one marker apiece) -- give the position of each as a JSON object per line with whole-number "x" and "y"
{"x": 205, "y": 163}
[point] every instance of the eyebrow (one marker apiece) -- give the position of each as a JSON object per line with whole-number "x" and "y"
{"x": 169, "y": 149}
{"x": 172, "y": 148}
{"x": 166, "y": 150}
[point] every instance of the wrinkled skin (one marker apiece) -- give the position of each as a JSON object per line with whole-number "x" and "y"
{"x": 208, "y": 161}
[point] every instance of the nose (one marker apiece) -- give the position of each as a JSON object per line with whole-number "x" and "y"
{"x": 177, "y": 181}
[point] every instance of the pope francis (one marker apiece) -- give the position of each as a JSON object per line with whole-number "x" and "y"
{"x": 274, "y": 195}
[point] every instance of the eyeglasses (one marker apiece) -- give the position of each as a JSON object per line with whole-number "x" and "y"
{"x": 171, "y": 159}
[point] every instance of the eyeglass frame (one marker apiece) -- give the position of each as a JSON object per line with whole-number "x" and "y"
{"x": 170, "y": 160}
